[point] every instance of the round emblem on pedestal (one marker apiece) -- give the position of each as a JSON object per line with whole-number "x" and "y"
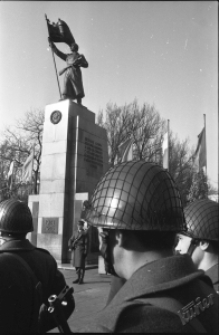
{"x": 56, "y": 117}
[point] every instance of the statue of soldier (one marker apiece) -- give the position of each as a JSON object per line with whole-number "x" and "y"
{"x": 73, "y": 83}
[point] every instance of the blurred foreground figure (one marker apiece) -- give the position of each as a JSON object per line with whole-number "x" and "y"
{"x": 138, "y": 208}
{"x": 200, "y": 240}
{"x": 19, "y": 304}
{"x": 15, "y": 223}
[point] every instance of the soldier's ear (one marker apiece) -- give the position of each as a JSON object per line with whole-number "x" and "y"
{"x": 119, "y": 238}
{"x": 204, "y": 245}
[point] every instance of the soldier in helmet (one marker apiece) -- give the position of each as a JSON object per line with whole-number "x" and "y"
{"x": 200, "y": 240}
{"x": 78, "y": 243}
{"x": 138, "y": 208}
{"x": 15, "y": 223}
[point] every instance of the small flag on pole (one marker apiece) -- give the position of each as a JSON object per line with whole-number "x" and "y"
{"x": 27, "y": 167}
{"x": 165, "y": 151}
{"x": 10, "y": 174}
{"x": 199, "y": 157}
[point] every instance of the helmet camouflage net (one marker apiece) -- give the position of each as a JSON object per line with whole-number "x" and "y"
{"x": 15, "y": 217}
{"x": 202, "y": 219}
{"x": 137, "y": 196}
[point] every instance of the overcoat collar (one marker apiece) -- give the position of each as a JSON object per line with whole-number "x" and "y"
{"x": 158, "y": 276}
{"x": 14, "y": 245}
{"x": 213, "y": 273}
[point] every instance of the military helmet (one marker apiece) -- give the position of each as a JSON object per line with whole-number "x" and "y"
{"x": 81, "y": 222}
{"x": 15, "y": 217}
{"x": 202, "y": 219}
{"x": 136, "y": 195}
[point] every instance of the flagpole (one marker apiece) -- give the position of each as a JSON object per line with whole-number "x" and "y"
{"x": 32, "y": 166}
{"x": 204, "y": 115}
{"x": 168, "y": 144}
{"x": 54, "y": 62}
{"x": 75, "y": 171}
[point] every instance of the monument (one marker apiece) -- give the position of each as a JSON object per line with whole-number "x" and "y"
{"x": 74, "y": 157}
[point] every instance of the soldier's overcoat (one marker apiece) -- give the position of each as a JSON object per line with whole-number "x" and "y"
{"x": 213, "y": 273}
{"x": 79, "y": 245}
{"x": 44, "y": 267}
{"x": 164, "y": 296}
{"x": 18, "y": 307}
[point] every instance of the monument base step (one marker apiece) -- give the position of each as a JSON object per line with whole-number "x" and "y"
{"x": 68, "y": 266}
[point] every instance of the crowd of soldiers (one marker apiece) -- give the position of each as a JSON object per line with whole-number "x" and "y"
{"x": 163, "y": 259}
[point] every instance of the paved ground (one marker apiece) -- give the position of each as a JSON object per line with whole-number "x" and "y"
{"x": 90, "y": 298}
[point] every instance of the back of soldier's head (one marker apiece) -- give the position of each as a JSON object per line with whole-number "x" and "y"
{"x": 201, "y": 218}
{"x": 15, "y": 218}
{"x": 137, "y": 196}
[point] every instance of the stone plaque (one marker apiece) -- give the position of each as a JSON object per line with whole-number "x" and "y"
{"x": 50, "y": 225}
{"x": 93, "y": 157}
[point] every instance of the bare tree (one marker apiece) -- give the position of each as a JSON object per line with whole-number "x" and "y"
{"x": 200, "y": 187}
{"x": 143, "y": 124}
{"x": 146, "y": 127}
{"x": 180, "y": 165}
{"x": 18, "y": 141}
{"x": 117, "y": 125}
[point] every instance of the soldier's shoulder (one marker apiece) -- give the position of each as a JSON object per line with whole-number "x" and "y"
{"x": 43, "y": 251}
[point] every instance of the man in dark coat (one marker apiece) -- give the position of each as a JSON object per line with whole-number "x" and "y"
{"x": 15, "y": 223}
{"x": 73, "y": 83}
{"x": 200, "y": 240}
{"x": 78, "y": 243}
{"x": 139, "y": 209}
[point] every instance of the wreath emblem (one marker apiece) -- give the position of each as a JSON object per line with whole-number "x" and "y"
{"x": 56, "y": 117}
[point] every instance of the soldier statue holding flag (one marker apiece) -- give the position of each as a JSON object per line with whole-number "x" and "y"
{"x": 73, "y": 83}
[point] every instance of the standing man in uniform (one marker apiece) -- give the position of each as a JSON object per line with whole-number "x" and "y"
{"x": 73, "y": 83}
{"x": 139, "y": 209}
{"x": 78, "y": 243}
{"x": 200, "y": 240}
{"x": 15, "y": 223}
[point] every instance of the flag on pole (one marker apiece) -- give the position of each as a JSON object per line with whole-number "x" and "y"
{"x": 165, "y": 151}
{"x": 10, "y": 174}
{"x": 60, "y": 32}
{"x": 200, "y": 157}
{"x": 126, "y": 150}
{"x": 27, "y": 167}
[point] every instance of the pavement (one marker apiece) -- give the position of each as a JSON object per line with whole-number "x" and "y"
{"x": 90, "y": 297}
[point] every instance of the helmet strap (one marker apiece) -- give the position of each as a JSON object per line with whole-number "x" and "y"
{"x": 105, "y": 253}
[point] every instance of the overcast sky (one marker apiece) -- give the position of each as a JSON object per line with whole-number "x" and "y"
{"x": 162, "y": 53}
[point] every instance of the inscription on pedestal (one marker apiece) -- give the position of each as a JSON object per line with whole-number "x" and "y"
{"x": 93, "y": 154}
{"x": 50, "y": 225}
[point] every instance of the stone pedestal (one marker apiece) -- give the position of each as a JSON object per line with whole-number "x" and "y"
{"x": 74, "y": 157}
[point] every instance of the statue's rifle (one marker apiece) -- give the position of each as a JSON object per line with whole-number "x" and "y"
{"x": 54, "y": 62}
